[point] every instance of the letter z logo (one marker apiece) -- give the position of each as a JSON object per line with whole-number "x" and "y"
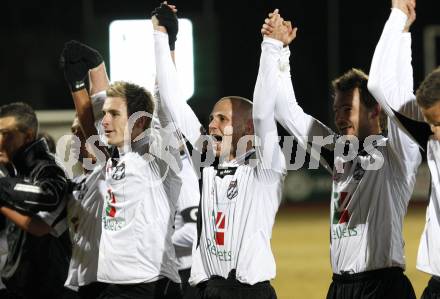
{"x": 220, "y": 225}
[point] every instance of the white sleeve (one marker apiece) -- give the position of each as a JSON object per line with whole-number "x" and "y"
{"x": 56, "y": 219}
{"x": 188, "y": 205}
{"x": 391, "y": 78}
{"x": 298, "y": 123}
{"x": 185, "y": 236}
{"x": 266, "y": 88}
{"x": 170, "y": 97}
{"x": 98, "y": 100}
{"x": 390, "y": 82}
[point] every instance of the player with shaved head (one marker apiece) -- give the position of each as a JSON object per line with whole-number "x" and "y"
{"x": 241, "y": 191}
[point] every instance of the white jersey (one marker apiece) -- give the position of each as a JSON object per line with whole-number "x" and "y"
{"x": 428, "y": 258}
{"x": 367, "y": 206}
{"x": 186, "y": 217}
{"x": 239, "y": 205}
{"x": 139, "y": 208}
{"x": 84, "y": 211}
{"x": 240, "y": 198}
{"x": 396, "y": 90}
{"x": 137, "y": 222}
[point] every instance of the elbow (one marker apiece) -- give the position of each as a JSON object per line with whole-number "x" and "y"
{"x": 258, "y": 114}
{"x": 37, "y": 227}
{"x": 38, "y": 232}
{"x": 258, "y": 121}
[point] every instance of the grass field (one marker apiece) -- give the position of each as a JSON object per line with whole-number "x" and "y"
{"x": 300, "y": 243}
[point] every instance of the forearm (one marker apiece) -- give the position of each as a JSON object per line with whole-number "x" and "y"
{"x": 290, "y": 114}
{"x": 296, "y": 122}
{"x": 170, "y": 99}
{"x": 98, "y": 79}
{"x": 388, "y": 79}
{"x": 84, "y": 110}
{"x": 266, "y": 89}
{"x": 87, "y": 108}
{"x": 30, "y": 224}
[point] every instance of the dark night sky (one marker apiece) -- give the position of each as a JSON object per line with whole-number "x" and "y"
{"x": 227, "y": 44}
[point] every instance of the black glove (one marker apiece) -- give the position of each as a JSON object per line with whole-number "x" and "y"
{"x": 168, "y": 19}
{"x": 76, "y": 60}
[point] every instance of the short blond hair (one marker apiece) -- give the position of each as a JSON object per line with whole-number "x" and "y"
{"x": 136, "y": 97}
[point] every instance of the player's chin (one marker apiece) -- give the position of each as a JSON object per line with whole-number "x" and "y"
{"x": 114, "y": 142}
{"x": 216, "y": 150}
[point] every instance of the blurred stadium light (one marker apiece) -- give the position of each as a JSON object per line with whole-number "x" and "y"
{"x": 132, "y": 54}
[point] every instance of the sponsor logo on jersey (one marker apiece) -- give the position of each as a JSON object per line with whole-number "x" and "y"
{"x": 110, "y": 200}
{"x": 219, "y": 225}
{"x": 109, "y": 220}
{"x": 113, "y": 224}
{"x": 221, "y": 254}
{"x": 340, "y": 211}
{"x": 222, "y": 172}
{"x": 342, "y": 231}
{"x": 219, "y": 228}
{"x": 232, "y": 189}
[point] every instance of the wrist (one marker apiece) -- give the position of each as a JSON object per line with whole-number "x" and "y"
{"x": 77, "y": 86}
{"x": 160, "y": 28}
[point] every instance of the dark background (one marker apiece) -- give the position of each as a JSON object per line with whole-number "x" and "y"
{"x": 333, "y": 36}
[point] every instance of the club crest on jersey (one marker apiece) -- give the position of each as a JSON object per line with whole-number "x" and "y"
{"x": 219, "y": 228}
{"x": 232, "y": 190}
{"x": 119, "y": 172}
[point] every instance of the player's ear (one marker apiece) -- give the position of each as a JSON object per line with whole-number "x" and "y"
{"x": 375, "y": 111}
{"x": 141, "y": 122}
{"x": 249, "y": 127}
{"x": 30, "y": 135}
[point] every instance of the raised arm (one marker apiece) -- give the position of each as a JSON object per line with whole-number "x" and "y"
{"x": 293, "y": 118}
{"x": 391, "y": 83}
{"x": 265, "y": 92}
{"x": 79, "y": 63}
{"x": 166, "y": 75}
{"x": 76, "y": 60}
{"x": 391, "y": 78}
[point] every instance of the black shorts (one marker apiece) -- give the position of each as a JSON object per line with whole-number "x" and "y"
{"x": 161, "y": 289}
{"x": 189, "y": 292}
{"x": 91, "y": 290}
{"x": 432, "y": 291}
{"x": 388, "y": 283}
{"x": 231, "y": 288}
